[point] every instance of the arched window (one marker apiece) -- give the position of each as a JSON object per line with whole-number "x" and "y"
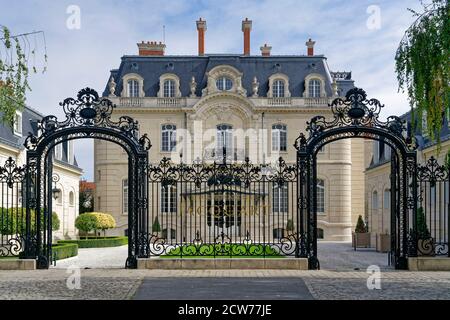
{"x": 168, "y": 198}
{"x": 387, "y": 199}
{"x": 320, "y": 196}
{"x": 169, "y": 88}
{"x": 279, "y": 137}
{"x": 374, "y": 202}
{"x": 71, "y": 198}
{"x": 280, "y": 199}
{"x": 133, "y": 88}
{"x": 168, "y": 137}
{"x": 224, "y": 139}
{"x": 278, "y": 89}
{"x": 314, "y": 88}
{"x": 224, "y": 84}
{"x": 125, "y": 196}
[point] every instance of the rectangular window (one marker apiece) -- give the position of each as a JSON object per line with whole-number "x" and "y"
{"x": 18, "y": 123}
{"x": 168, "y": 138}
{"x": 70, "y": 152}
{"x": 279, "y": 137}
{"x": 387, "y": 199}
{"x": 58, "y": 151}
{"x": 169, "y": 199}
{"x": 125, "y": 196}
{"x": 280, "y": 199}
{"x": 320, "y": 196}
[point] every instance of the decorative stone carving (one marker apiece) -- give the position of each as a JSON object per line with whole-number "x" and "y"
{"x": 193, "y": 86}
{"x": 255, "y": 87}
{"x": 334, "y": 88}
{"x": 112, "y": 87}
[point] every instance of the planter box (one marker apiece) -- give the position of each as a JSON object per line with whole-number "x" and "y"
{"x": 383, "y": 242}
{"x": 361, "y": 240}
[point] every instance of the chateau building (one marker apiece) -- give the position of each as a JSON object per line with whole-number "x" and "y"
{"x": 227, "y": 107}
{"x": 66, "y": 171}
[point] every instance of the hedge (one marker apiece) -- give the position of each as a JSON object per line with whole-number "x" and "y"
{"x": 98, "y": 242}
{"x": 63, "y": 251}
{"x": 13, "y": 221}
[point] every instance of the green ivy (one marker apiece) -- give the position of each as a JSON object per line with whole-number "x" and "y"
{"x": 422, "y": 66}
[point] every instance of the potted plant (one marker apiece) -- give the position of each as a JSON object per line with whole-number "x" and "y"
{"x": 384, "y": 242}
{"x": 156, "y": 227}
{"x": 425, "y": 243}
{"x": 289, "y": 228}
{"x": 361, "y": 236}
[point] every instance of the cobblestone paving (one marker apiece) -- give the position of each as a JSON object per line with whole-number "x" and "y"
{"x": 105, "y": 277}
{"x": 123, "y": 284}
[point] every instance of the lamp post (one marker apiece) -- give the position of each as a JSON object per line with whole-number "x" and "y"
{"x": 56, "y": 192}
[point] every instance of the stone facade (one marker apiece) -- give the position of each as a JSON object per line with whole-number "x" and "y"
{"x": 251, "y": 95}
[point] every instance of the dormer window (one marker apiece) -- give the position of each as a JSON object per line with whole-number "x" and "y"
{"x": 17, "y": 125}
{"x": 133, "y": 88}
{"x": 278, "y": 89}
{"x": 169, "y": 88}
{"x": 224, "y": 84}
{"x": 314, "y": 88}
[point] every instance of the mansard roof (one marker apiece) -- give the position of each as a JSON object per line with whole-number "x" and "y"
{"x": 185, "y": 67}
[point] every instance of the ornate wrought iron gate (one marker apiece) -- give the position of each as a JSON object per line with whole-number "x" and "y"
{"x": 357, "y": 117}
{"x": 87, "y": 116}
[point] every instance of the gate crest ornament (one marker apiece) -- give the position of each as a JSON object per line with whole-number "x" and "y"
{"x": 87, "y": 110}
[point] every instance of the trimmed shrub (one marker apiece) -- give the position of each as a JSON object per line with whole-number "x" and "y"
{"x": 13, "y": 220}
{"x": 98, "y": 242}
{"x": 156, "y": 227}
{"x": 91, "y": 221}
{"x": 64, "y": 250}
{"x": 360, "y": 225}
{"x": 422, "y": 228}
{"x": 86, "y": 222}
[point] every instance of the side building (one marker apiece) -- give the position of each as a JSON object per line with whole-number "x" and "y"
{"x": 434, "y": 199}
{"x": 65, "y": 169}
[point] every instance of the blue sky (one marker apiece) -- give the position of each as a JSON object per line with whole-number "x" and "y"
{"x": 109, "y": 29}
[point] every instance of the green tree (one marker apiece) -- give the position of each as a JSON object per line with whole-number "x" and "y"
{"x": 422, "y": 65}
{"x": 86, "y": 222}
{"x": 16, "y": 53}
{"x": 290, "y": 225}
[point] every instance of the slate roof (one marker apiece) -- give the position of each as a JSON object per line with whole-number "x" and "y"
{"x": 295, "y": 67}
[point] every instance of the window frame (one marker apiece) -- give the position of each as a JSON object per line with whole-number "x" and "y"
{"x": 134, "y": 91}
{"x": 280, "y": 199}
{"x": 278, "y": 88}
{"x": 279, "y": 134}
{"x": 168, "y": 199}
{"x": 171, "y": 140}
{"x": 320, "y": 199}
{"x": 223, "y": 81}
{"x": 169, "y": 88}
{"x": 18, "y": 123}
{"x": 314, "y": 88}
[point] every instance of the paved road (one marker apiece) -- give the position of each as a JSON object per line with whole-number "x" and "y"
{"x": 203, "y": 284}
{"x": 332, "y": 256}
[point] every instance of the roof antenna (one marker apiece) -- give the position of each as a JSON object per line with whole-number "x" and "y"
{"x": 164, "y": 34}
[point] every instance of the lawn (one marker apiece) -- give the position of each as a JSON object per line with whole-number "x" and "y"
{"x": 223, "y": 251}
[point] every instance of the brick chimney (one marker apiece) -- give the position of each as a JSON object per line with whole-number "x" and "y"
{"x": 246, "y": 28}
{"x": 151, "y": 48}
{"x": 310, "y": 46}
{"x": 265, "y": 50}
{"x": 201, "y": 28}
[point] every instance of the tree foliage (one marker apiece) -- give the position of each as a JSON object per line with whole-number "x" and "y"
{"x": 422, "y": 66}
{"x": 360, "y": 225}
{"x": 17, "y": 58}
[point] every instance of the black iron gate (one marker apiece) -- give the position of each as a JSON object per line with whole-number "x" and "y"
{"x": 87, "y": 116}
{"x": 357, "y": 117}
